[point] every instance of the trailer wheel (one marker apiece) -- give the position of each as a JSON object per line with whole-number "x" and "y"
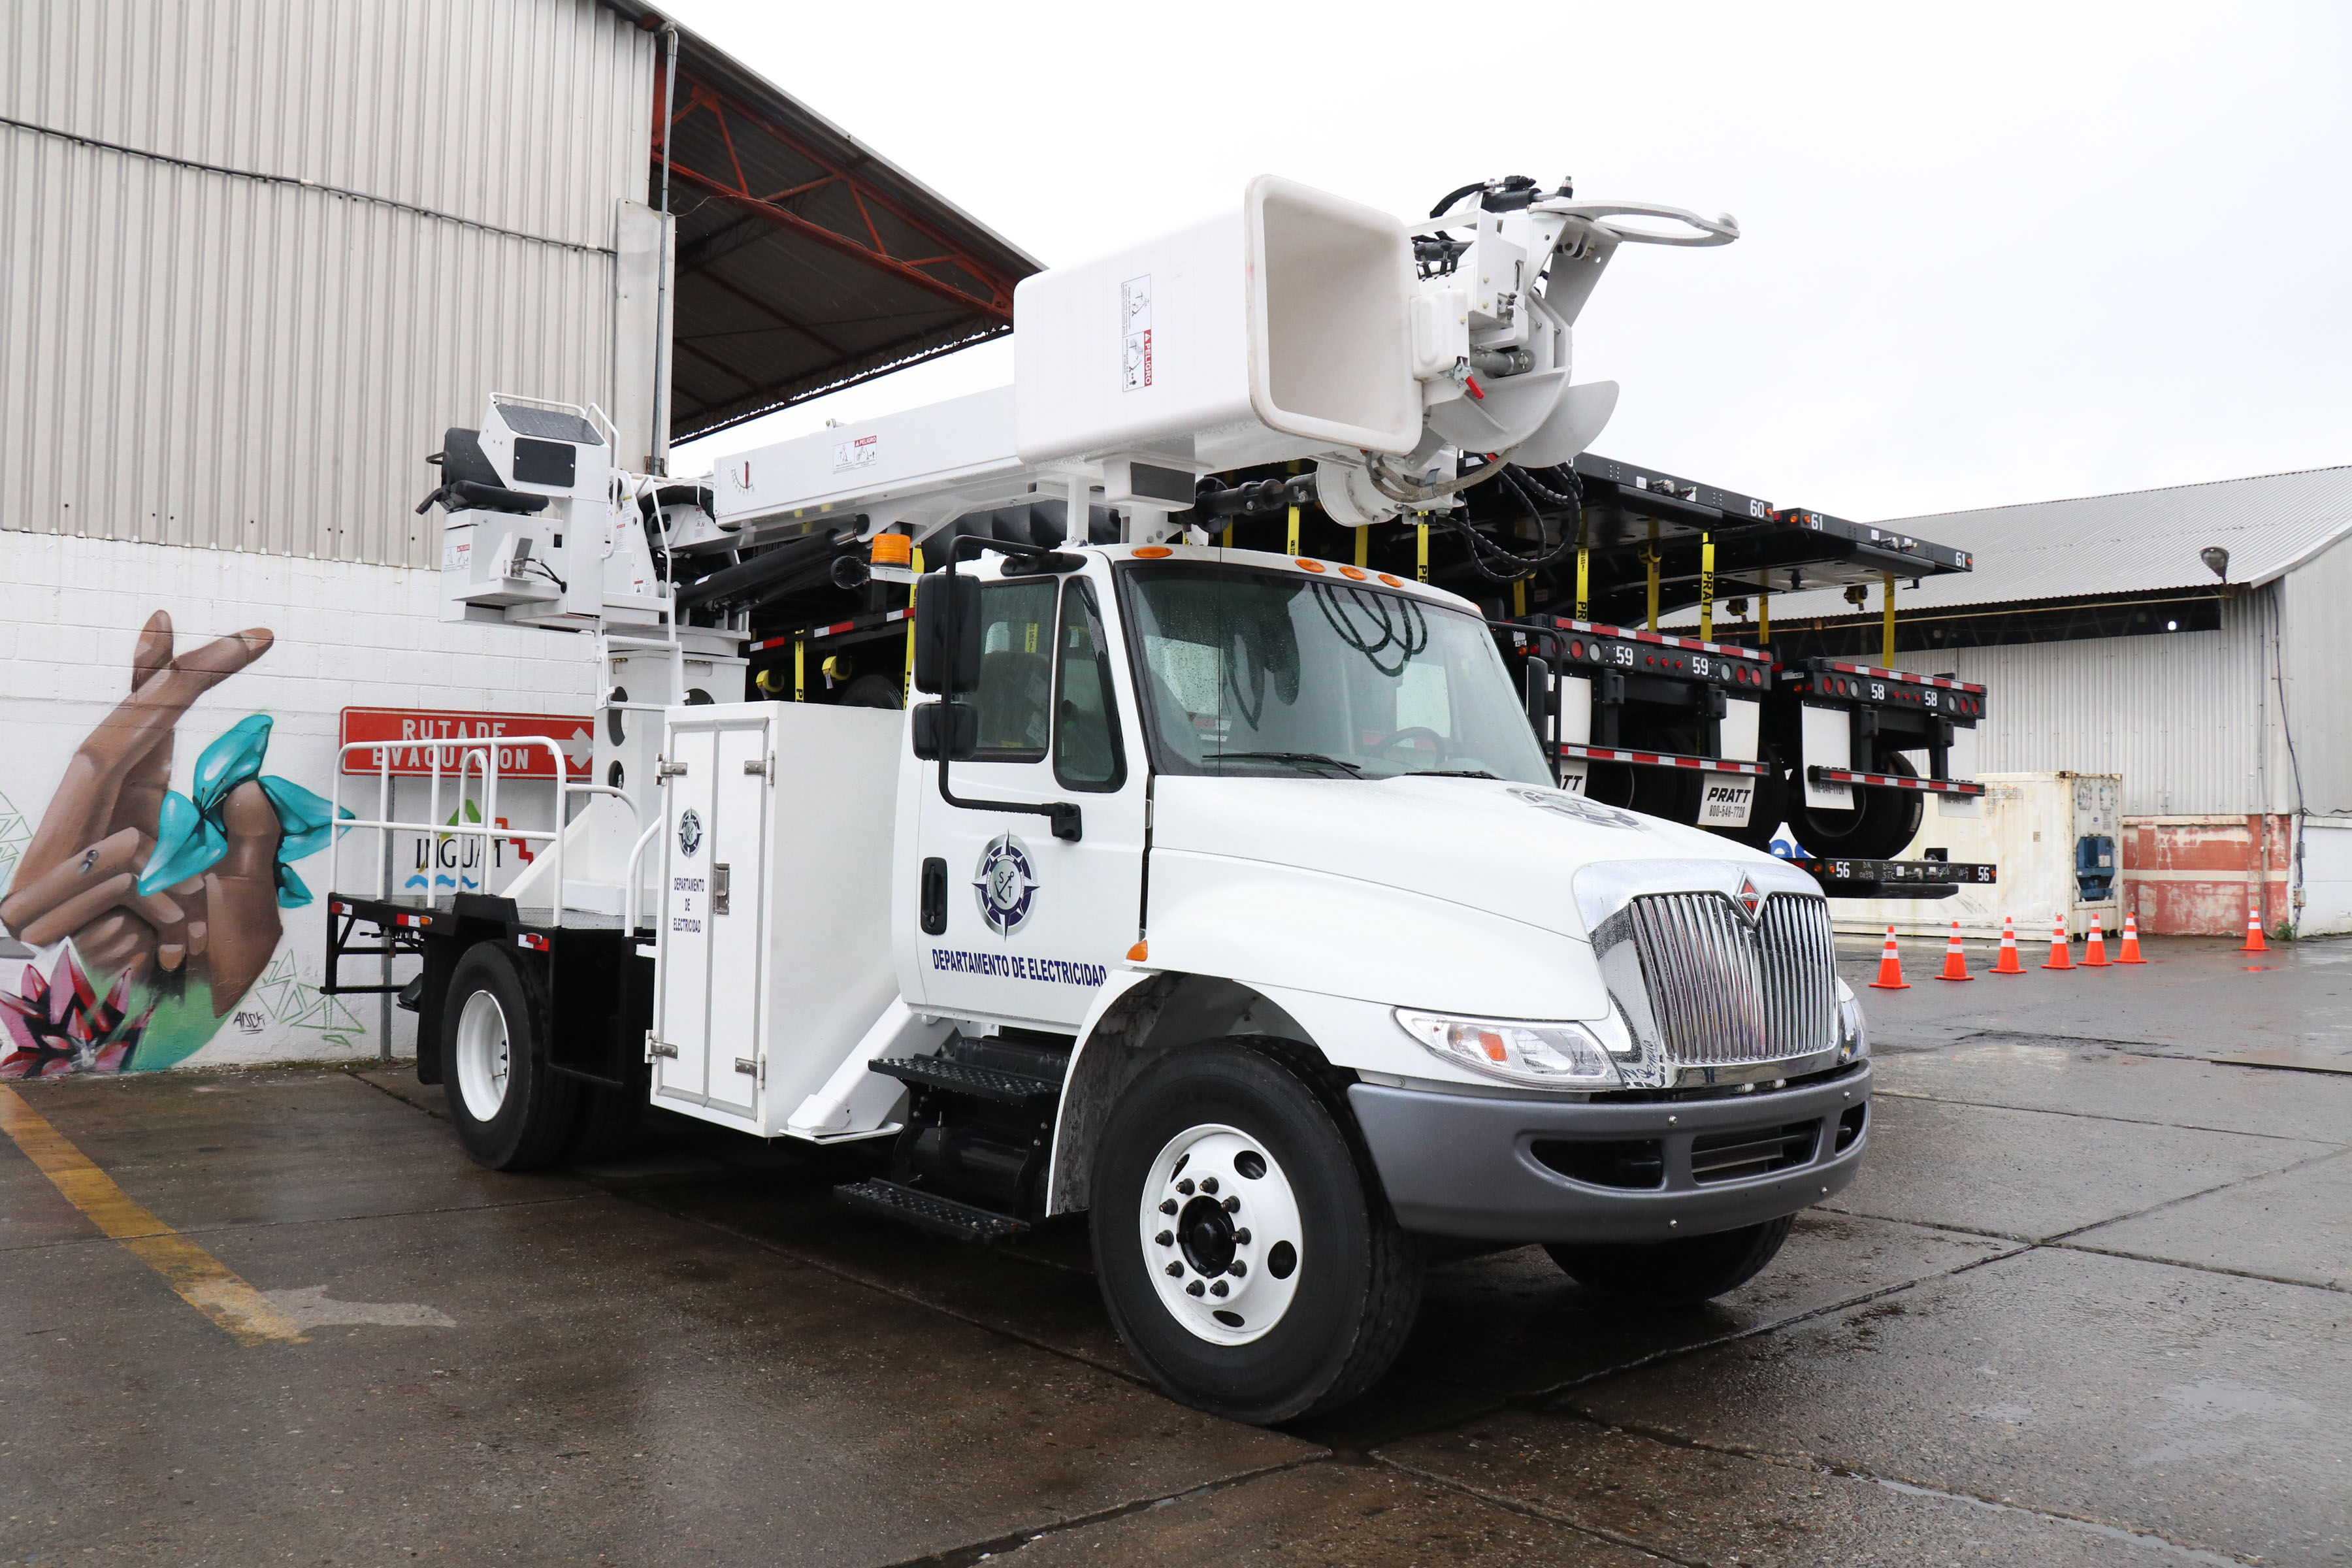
{"x": 1674, "y": 1273}
{"x": 1879, "y": 828}
{"x": 511, "y": 1112}
{"x": 1245, "y": 1254}
{"x": 872, "y": 692}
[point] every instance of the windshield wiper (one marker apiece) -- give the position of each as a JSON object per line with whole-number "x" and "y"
{"x": 1352, "y": 768}
{"x": 1447, "y": 773}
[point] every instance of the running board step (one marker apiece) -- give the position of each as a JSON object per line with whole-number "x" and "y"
{"x": 963, "y": 1077}
{"x": 929, "y": 1211}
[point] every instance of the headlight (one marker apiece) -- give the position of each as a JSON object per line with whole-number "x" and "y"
{"x": 1854, "y": 1034}
{"x": 1550, "y": 1056}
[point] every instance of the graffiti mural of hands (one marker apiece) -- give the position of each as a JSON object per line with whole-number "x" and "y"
{"x": 80, "y": 875}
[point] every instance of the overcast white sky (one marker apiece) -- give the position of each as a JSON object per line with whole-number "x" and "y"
{"x": 1992, "y": 253}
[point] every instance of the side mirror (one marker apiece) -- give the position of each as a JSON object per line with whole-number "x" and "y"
{"x": 945, "y": 729}
{"x": 947, "y": 635}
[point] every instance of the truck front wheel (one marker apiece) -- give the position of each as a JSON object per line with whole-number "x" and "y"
{"x": 1245, "y": 1256}
{"x": 1674, "y": 1273}
{"x": 511, "y": 1112}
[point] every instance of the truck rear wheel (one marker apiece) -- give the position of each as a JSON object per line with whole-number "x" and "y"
{"x": 1244, "y": 1255}
{"x": 510, "y": 1112}
{"x": 1674, "y": 1273}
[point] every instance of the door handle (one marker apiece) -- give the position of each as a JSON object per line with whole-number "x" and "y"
{"x": 935, "y": 895}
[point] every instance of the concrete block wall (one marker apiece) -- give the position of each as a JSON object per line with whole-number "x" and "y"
{"x": 342, "y": 635}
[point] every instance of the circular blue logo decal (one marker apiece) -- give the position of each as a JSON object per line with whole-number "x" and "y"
{"x": 690, "y": 831}
{"x": 1006, "y": 885}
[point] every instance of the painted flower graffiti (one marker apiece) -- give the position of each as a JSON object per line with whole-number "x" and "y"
{"x": 57, "y": 1025}
{"x": 168, "y": 903}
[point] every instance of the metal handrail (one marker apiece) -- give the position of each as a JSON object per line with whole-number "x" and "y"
{"x": 488, "y": 829}
{"x": 632, "y": 877}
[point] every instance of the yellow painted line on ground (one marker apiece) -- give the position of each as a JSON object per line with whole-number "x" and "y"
{"x": 201, "y": 1280}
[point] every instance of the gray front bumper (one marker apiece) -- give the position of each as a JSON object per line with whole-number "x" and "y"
{"x": 1465, "y": 1165}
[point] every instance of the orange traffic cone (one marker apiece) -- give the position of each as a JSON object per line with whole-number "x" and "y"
{"x": 1955, "y": 963}
{"x": 2254, "y": 942}
{"x": 1890, "y": 968}
{"x": 2130, "y": 953}
{"x": 2094, "y": 948}
{"x": 2059, "y": 957}
{"x": 2007, "y": 963}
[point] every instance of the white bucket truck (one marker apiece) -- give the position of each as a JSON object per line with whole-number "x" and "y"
{"x": 1222, "y": 896}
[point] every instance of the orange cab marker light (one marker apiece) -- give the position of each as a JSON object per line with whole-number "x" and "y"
{"x": 1356, "y": 572}
{"x": 892, "y": 550}
{"x": 1392, "y": 582}
{"x": 1304, "y": 564}
{"x": 1153, "y": 552}
{"x": 1139, "y": 953}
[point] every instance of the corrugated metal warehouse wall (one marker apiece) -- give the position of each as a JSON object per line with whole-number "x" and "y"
{"x": 2316, "y": 653}
{"x": 241, "y": 358}
{"x": 2179, "y": 716}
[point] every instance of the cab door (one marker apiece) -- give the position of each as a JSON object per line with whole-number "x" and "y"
{"x": 1017, "y": 924}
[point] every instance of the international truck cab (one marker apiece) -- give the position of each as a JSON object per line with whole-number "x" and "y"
{"x": 1225, "y": 897}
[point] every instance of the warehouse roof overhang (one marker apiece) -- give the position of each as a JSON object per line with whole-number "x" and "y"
{"x": 2140, "y": 545}
{"x": 806, "y": 262}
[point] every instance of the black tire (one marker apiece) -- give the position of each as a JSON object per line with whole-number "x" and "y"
{"x": 1347, "y": 1318}
{"x": 1674, "y": 1273}
{"x": 534, "y": 1113}
{"x": 871, "y": 691}
{"x": 1881, "y": 826}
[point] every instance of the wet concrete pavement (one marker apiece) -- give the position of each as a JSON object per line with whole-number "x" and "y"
{"x": 2087, "y": 1304}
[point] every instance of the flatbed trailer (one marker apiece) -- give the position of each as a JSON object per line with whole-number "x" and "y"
{"x": 1731, "y": 735}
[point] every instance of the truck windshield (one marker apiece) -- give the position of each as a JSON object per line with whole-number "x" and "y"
{"x": 1247, "y": 671}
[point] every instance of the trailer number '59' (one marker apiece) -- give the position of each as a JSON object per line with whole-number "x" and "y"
{"x": 1698, "y": 663}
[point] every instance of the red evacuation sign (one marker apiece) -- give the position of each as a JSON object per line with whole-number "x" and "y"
{"x": 407, "y": 732}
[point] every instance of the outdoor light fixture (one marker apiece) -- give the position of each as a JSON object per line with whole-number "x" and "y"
{"x": 2217, "y": 560}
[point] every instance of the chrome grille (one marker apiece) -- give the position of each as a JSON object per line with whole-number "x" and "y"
{"x": 1723, "y": 992}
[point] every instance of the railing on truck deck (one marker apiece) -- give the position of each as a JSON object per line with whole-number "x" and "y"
{"x": 487, "y": 828}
